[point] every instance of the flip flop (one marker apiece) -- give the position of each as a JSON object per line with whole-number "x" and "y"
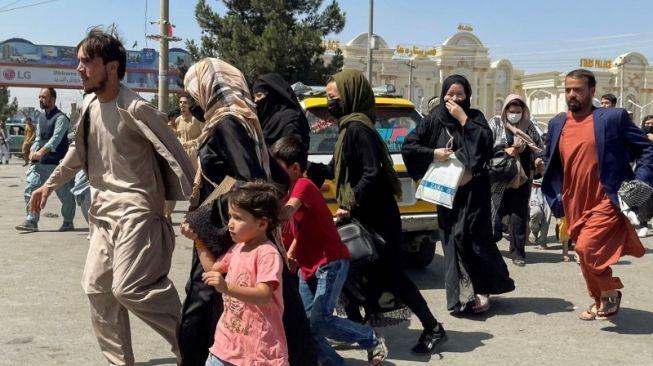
{"x": 614, "y": 303}
{"x": 589, "y": 314}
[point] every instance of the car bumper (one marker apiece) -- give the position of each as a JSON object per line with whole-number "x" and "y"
{"x": 419, "y": 222}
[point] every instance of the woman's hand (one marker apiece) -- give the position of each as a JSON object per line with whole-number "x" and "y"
{"x": 342, "y": 214}
{"x": 456, "y": 111}
{"x": 187, "y": 231}
{"x": 511, "y": 151}
{"x": 442, "y": 154}
{"x": 539, "y": 165}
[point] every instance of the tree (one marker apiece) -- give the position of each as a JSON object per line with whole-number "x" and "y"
{"x": 7, "y": 109}
{"x": 262, "y": 36}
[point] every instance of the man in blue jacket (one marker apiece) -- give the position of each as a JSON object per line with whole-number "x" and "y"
{"x": 589, "y": 153}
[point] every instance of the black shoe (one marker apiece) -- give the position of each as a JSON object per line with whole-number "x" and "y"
{"x": 519, "y": 262}
{"x": 67, "y": 226}
{"x": 429, "y": 339}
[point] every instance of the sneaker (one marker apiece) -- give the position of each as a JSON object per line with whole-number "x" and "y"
{"x": 28, "y": 225}
{"x": 429, "y": 339}
{"x": 377, "y": 353}
{"x": 642, "y": 232}
{"x": 67, "y": 226}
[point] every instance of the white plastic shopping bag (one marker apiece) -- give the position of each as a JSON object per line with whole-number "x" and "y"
{"x": 441, "y": 181}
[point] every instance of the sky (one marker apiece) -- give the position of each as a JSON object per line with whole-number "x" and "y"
{"x": 537, "y": 36}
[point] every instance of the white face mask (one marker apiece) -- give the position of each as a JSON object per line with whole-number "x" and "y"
{"x": 514, "y": 117}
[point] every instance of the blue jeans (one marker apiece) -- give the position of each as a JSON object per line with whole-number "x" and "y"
{"x": 319, "y": 295}
{"x": 35, "y": 177}
{"x": 214, "y": 361}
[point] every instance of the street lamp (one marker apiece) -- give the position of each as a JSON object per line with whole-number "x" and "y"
{"x": 370, "y": 40}
{"x": 411, "y": 66}
{"x": 622, "y": 61}
{"x": 641, "y": 107}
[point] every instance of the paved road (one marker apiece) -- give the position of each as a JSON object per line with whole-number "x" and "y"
{"x": 44, "y": 315}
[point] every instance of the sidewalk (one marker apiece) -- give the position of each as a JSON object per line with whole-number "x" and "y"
{"x": 44, "y": 315}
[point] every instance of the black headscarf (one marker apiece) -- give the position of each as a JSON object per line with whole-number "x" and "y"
{"x": 445, "y": 117}
{"x": 279, "y": 113}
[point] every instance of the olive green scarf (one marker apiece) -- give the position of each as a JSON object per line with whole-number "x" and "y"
{"x": 358, "y": 105}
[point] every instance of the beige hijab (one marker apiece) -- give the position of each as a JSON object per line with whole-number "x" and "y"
{"x": 521, "y": 137}
{"x": 221, "y": 90}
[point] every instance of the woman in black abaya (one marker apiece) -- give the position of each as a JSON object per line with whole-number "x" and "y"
{"x": 278, "y": 110}
{"x": 474, "y": 268}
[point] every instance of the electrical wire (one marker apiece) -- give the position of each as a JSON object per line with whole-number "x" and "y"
{"x": 10, "y": 4}
{"x": 27, "y": 6}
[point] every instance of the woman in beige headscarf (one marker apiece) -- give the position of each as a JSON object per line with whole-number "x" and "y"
{"x": 515, "y": 133}
{"x": 230, "y": 148}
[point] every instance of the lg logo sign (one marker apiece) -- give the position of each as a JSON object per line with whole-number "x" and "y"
{"x": 11, "y": 74}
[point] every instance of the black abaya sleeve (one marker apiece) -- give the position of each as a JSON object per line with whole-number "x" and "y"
{"x": 475, "y": 146}
{"x": 318, "y": 172}
{"x": 361, "y": 144}
{"x": 230, "y": 151}
{"x": 417, "y": 150}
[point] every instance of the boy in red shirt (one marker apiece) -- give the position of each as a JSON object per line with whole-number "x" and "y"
{"x": 322, "y": 258}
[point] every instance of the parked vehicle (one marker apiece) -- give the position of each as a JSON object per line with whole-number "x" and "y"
{"x": 395, "y": 118}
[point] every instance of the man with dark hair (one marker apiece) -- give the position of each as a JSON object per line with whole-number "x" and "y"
{"x": 608, "y": 100}
{"x": 134, "y": 163}
{"x": 50, "y": 146}
{"x": 588, "y": 154}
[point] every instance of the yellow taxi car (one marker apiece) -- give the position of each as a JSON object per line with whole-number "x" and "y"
{"x": 395, "y": 118}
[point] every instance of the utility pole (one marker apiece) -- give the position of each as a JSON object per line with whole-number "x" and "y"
{"x": 370, "y": 39}
{"x": 164, "y": 36}
{"x": 411, "y": 66}
{"x": 621, "y": 64}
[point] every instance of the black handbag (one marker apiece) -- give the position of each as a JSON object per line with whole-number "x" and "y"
{"x": 501, "y": 167}
{"x": 361, "y": 242}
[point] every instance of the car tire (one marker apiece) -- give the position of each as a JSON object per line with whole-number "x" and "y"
{"x": 419, "y": 249}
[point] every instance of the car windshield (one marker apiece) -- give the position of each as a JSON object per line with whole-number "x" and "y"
{"x": 392, "y": 123}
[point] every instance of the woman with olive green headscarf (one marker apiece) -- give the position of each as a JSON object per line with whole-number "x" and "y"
{"x": 366, "y": 190}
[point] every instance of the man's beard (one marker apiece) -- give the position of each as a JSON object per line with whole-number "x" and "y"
{"x": 43, "y": 105}
{"x": 100, "y": 85}
{"x": 575, "y": 105}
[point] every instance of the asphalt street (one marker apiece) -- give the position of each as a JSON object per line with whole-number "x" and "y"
{"x": 44, "y": 314}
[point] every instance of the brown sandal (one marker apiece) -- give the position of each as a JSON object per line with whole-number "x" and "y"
{"x": 589, "y": 314}
{"x": 610, "y": 306}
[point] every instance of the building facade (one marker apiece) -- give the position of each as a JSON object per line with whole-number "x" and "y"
{"x": 463, "y": 53}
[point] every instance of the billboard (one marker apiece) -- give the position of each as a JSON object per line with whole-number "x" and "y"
{"x": 23, "y": 63}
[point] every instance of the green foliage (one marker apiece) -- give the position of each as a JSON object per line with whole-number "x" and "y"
{"x": 262, "y": 36}
{"x": 7, "y": 109}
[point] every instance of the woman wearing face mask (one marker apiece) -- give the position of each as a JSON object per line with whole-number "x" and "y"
{"x": 515, "y": 133}
{"x": 278, "y": 110}
{"x": 473, "y": 266}
{"x": 366, "y": 187}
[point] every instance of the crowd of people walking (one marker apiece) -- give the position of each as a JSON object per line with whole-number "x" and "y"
{"x": 270, "y": 281}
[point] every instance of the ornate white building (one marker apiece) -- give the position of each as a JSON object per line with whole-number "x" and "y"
{"x": 464, "y": 53}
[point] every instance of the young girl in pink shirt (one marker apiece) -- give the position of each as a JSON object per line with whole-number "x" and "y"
{"x": 250, "y": 330}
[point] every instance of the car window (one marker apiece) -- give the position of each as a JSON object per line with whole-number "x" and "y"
{"x": 393, "y": 124}
{"x": 16, "y": 130}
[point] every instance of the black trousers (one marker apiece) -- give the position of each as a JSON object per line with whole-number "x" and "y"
{"x": 515, "y": 205}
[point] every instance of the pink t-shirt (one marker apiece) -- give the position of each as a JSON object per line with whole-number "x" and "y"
{"x": 249, "y": 334}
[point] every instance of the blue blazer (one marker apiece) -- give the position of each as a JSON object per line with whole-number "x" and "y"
{"x": 618, "y": 142}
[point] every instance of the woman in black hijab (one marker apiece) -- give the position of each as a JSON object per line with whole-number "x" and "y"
{"x": 474, "y": 268}
{"x": 278, "y": 110}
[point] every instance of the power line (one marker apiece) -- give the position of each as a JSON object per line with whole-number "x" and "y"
{"x": 27, "y": 6}
{"x": 10, "y": 4}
